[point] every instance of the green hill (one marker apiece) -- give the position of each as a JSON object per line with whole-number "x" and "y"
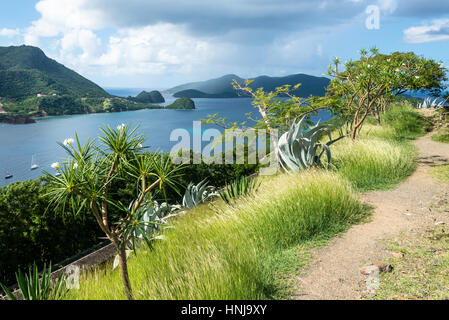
{"x": 149, "y": 97}
{"x": 182, "y": 104}
{"x": 222, "y": 87}
{"x": 26, "y": 71}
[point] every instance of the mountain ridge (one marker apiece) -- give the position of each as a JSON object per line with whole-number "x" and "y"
{"x": 222, "y": 86}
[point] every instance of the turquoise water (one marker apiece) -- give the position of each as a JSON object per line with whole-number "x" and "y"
{"x": 18, "y": 143}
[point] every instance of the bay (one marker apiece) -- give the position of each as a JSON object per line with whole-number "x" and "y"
{"x": 20, "y": 143}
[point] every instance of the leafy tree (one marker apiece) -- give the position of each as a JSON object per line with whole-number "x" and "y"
{"x": 365, "y": 86}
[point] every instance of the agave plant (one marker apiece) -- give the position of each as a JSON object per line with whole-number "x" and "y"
{"x": 197, "y": 194}
{"x": 300, "y": 148}
{"x": 240, "y": 187}
{"x": 429, "y": 103}
{"x": 34, "y": 287}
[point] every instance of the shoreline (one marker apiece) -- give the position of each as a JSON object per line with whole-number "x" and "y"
{"x": 23, "y": 120}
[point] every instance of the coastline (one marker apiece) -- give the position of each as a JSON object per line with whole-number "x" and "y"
{"x": 20, "y": 119}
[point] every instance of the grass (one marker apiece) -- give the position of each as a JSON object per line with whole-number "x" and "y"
{"x": 254, "y": 249}
{"x": 374, "y": 164}
{"x": 382, "y": 155}
{"x": 441, "y": 172}
{"x": 423, "y": 272}
{"x": 441, "y": 136}
{"x": 240, "y": 252}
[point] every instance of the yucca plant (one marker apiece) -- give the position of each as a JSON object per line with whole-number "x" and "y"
{"x": 85, "y": 182}
{"x": 300, "y": 148}
{"x": 242, "y": 186}
{"x": 197, "y": 194}
{"x": 34, "y": 287}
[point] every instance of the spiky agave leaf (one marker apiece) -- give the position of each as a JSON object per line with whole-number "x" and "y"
{"x": 197, "y": 194}
{"x": 298, "y": 148}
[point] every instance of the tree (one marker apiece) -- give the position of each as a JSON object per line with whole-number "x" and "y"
{"x": 416, "y": 74}
{"x": 367, "y": 85}
{"x": 88, "y": 174}
{"x": 277, "y": 110}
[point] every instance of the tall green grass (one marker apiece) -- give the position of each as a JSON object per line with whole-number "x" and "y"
{"x": 382, "y": 155}
{"x": 228, "y": 254}
{"x": 374, "y": 164}
{"x": 403, "y": 122}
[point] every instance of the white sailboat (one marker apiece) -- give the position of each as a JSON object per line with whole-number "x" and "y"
{"x": 34, "y": 164}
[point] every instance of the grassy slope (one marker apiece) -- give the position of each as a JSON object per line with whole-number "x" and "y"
{"x": 382, "y": 156}
{"x": 232, "y": 254}
{"x": 248, "y": 252}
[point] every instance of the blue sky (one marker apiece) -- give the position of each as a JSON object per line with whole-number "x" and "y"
{"x": 161, "y": 43}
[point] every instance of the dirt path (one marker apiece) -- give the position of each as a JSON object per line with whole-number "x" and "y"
{"x": 335, "y": 271}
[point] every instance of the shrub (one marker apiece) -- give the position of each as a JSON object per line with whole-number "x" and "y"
{"x": 31, "y": 231}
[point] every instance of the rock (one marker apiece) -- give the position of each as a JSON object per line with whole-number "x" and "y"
{"x": 397, "y": 255}
{"x": 369, "y": 269}
{"x": 380, "y": 267}
{"x": 383, "y": 267}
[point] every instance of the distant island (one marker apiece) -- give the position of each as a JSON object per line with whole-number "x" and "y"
{"x": 183, "y": 103}
{"x": 148, "y": 97}
{"x": 222, "y": 87}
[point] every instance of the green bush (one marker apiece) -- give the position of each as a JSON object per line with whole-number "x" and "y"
{"x": 30, "y": 231}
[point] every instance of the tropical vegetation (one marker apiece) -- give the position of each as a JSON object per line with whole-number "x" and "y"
{"x": 234, "y": 243}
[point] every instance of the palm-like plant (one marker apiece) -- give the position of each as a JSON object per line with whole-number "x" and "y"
{"x": 197, "y": 194}
{"x": 85, "y": 181}
{"x": 300, "y": 148}
{"x": 35, "y": 287}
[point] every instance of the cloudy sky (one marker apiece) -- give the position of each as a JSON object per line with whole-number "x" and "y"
{"x": 162, "y": 43}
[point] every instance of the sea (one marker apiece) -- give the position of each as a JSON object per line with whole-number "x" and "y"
{"x": 21, "y": 146}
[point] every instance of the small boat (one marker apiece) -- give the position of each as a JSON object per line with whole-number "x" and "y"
{"x": 58, "y": 174}
{"x": 8, "y": 176}
{"x": 34, "y": 164}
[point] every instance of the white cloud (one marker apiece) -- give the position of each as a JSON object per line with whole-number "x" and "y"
{"x": 437, "y": 31}
{"x": 388, "y": 6}
{"x": 153, "y": 50}
{"x": 5, "y": 32}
